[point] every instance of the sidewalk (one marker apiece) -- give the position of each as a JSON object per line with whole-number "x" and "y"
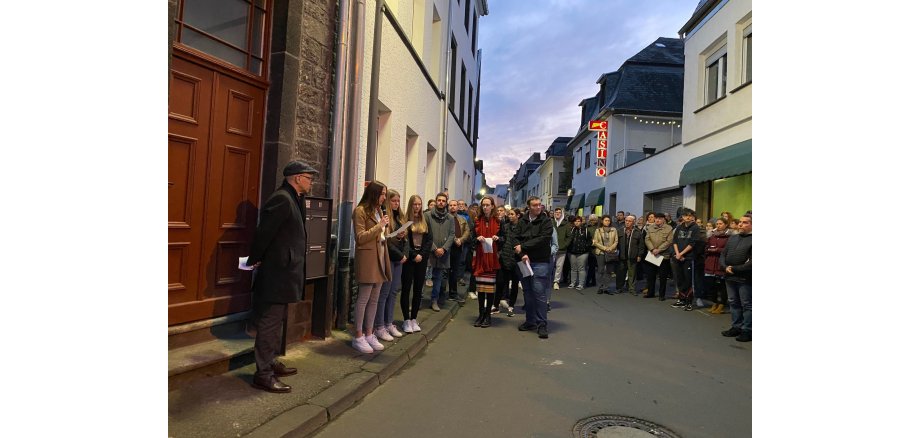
{"x": 331, "y": 377}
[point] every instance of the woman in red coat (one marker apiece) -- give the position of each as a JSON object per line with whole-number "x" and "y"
{"x": 485, "y": 264}
{"x": 714, "y": 274}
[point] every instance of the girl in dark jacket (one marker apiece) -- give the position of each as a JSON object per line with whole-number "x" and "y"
{"x": 578, "y": 254}
{"x": 714, "y": 274}
{"x": 418, "y": 246}
{"x": 507, "y": 238}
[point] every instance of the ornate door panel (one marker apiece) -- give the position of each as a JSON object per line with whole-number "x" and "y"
{"x": 212, "y": 217}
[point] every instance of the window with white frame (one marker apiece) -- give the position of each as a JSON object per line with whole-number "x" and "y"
{"x": 716, "y": 75}
{"x": 746, "y": 46}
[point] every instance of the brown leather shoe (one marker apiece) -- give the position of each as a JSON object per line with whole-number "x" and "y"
{"x": 271, "y": 385}
{"x": 281, "y": 370}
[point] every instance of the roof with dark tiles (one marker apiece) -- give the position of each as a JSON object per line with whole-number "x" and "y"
{"x": 557, "y": 149}
{"x": 650, "y": 81}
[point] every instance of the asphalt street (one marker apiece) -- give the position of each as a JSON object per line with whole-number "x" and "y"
{"x": 619, "y": 355}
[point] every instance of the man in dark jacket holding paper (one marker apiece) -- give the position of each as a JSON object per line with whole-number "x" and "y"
{"x": 736, "y": 259}
{"x": 279, "y": 251}
{"x": 533, "y": 246}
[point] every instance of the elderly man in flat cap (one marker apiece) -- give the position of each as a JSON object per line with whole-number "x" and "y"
{"x": 278, "y": 251}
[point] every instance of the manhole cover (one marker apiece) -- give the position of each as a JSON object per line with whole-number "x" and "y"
{"x": 619, "y": 426}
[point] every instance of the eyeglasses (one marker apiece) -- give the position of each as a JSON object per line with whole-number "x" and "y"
{"x": 307, "y": 176}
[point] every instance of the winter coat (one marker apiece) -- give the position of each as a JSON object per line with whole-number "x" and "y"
{"x": 509, "y": 238}
{"x": 714, "y": 247}
{"x": 563, "y": 234}
{"x": 280, "y": 245}
{"x": 660, "y": 239}
{"x": 371, "y": 262}
{"x": 535, "y": 238}
{"x": 605, "y": 240}
{"x": 632, "y": 247}
{"x": 580, "y": 243}
{"x": 737, "y": 254}
{"x": 441, "y": 228}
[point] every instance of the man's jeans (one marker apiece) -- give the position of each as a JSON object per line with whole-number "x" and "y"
{"x": 535, "y": 288}
{"x": 739, "y": 300}
{"x": 437, "y": 275}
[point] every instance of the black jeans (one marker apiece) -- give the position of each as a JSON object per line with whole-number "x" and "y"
{"x": 413, "y": 278}
{"x": 501, "y": 285}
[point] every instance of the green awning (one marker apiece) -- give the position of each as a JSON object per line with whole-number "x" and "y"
{"x": 596, "y": 197}
{"x": 728, "y": 161}
{"x": 576, "y": 201}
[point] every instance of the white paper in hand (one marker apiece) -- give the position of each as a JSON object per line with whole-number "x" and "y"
{"x": 524, "y": 267}
{"x": 243, "y": 261}
{"x": 653, "y": 259}
{"x": 487, "y": 245}
{"x": 401, "y": 229}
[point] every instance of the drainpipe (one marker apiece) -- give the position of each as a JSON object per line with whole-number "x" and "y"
{"x": 349, "y": 74}
{"x": 370, "y": 170}
{"x": 442, "y": 169}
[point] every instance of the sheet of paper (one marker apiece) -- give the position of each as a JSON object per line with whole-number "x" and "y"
{"x": 524, "y": 267}
{"x": 653, "y": 259}
{"x": 487, "y": 245}
{"x": 401, "y": 229}
{"x": 243, "y": 261}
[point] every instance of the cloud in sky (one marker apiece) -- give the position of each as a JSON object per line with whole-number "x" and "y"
{"x": 541, "y": 58}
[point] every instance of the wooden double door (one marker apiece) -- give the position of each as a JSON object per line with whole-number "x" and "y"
{"x": 216, "y": 121}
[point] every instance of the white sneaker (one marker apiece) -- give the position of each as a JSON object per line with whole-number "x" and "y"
{"x": 374, "y": 343}
{"x": 415, "y": 325}
{"x": 556, "y": 286}
{"x": 394, "y": 331}
{"x": 407, "y": 326}
{"x": 472, "y": 296}
{"x": 360, "y": 344}
{"x": 503, "y": 304}
{"x": 699, "y": 303}
{"x": 382, "y": 333}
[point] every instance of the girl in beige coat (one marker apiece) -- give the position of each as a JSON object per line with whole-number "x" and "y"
{"x": 372, "y": 266}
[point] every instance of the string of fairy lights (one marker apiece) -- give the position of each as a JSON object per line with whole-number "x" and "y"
{"x": 657, "y": 122}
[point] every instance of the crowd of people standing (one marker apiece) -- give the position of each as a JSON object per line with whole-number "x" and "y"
{"x": 399, "y": 251}
{"x": 504, "y": 249}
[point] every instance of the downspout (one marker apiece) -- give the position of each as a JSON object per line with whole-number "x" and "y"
{"x": 442, "y": 169}
{"x": 349, "y": 74}
{"x": 370, "y": 170}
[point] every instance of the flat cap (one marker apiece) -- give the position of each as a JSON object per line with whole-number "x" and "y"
{"x": 297, "y": 167}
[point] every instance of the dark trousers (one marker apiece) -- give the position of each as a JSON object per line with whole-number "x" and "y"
{"x": 413, "y": 278}
{"x": 659, "y": 273}
{"x": 591, "y": 268}
{"x": 502, "y": 292}
{"x": 688, "y": 277}
{"x": 715, "y": 289}
{"x": 456, "y": 268}
{"x": 269, "y": 326}
{"x": 619, "y": 269}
